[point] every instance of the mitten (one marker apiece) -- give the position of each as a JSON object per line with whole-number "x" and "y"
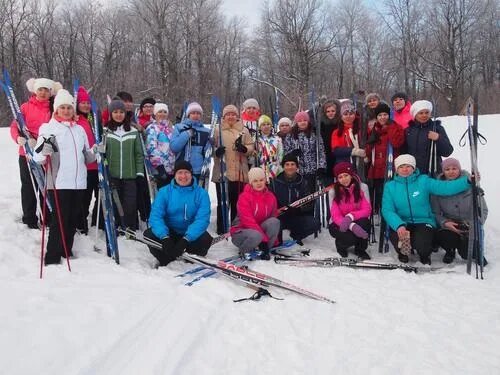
{"x": 358, "y": 231}
{"x": 167, "y": 244}
{"x": 180, "y": 247}
{"x": 47, "y": 149}
{"x": 220, "y": 151}
{"x": 241, "y": 148}
{"x": 344, "y": 224}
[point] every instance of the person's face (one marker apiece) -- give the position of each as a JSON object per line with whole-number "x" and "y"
{"x": 129, "y": 106}
{"x": 42, "y": 93}
{"x": 195, "y": 116}
{"x": 290, "y": 168}
{"x": 183, "y": 177}
{"x": 231, "y": 118}
{"x": 302, "y": 125}
{"x": 161, "y": 115}
{"x": 266, "y": 128}
{"x": 251, "y": 111}
{"x": 423, "y": 116}
{"x": 344, "y": 179}
{"x": 330, "y": 112}
{"x": 147, "y": 109}
{"x": 258, "y": 184}
{"x": 285, "y": 128}
{"x": 398, "y": 103}
{"x": 118, "y": 115}
{"x": 84, "y": 107}
{"x": 451, "y": 172}
{"x": 348, "y": 117}
{"x": 373, "y": 102}
{"x": 383, "y": 118}
{"x": 65, "y": 111}
{"x": 405, "y": 170}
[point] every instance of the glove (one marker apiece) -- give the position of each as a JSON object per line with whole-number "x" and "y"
{"x": 47, "y": 149}
{"x": 21, "y": 141}
{"x": 32, "y": 143}
{"x": 241, "y": 148}
{"x": 344, "y": 224}
{"x": 180, "y": 247}
{"x": 321, "y": 172}
{"x": 220, "y": 151}
{"x": 162, "y": 173}
{"x": 98, "y": 148}
{"x": 167, "y": 244}
{"x": 358, "y": 231}
{"x": 373, "y": 138}
{"x": 297, "y": 152}
{"x": 359, "y": 152}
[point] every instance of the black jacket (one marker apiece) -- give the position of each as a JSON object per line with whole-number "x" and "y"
{"x": 288, "y": 191}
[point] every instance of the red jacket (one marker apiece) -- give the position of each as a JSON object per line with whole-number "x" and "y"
{"x": 35, "y": 114}
{"x": 359, "y": 210}
{"x": 254, "y": 207}
{"x": 403, "y": 117}
{"x": 342, "y": 140}
{"x": 377, "y": 152}
{"x": 144, "y": 120}
{"x": 85, "y": 124}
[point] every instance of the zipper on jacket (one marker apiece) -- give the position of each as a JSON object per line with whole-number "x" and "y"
{"x": 121, "y": 157}
{"x": 409, "y": 203}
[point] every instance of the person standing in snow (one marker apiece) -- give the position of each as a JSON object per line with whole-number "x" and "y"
{"x": 454, "y": 215}
{"x": 401, "y": 106}
{"x": 250, "y": 119}
{"x": 330, "y": 119}
{"x": 62, "y": 146}
{"x": 36, "y": 111}
{"x": 269, "y": 152}
{"x": 420, "y": 135}
{"x": 180, "y": 216}
{"x": 257, "y": 223}
{"x": 158, "y": 136}
{"x": 407, "y": 210}
{"x": 350, "y": 212}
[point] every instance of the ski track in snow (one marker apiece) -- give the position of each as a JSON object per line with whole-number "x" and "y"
{"x": 132, "y": 319}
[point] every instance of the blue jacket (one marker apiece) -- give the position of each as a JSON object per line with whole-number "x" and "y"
{"x": 199, "y": 140}
{"x": 406, "y": 200}
{"x": 182, "y": 209}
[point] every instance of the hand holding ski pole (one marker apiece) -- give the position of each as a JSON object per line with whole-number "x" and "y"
{"x": 433, "y": 136}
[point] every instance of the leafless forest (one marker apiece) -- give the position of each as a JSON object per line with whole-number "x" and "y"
{"x": 177, "y": 50}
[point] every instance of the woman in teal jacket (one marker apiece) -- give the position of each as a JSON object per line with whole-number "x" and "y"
{"x": 407, "y": 209}
{"x": 180, "y": 216}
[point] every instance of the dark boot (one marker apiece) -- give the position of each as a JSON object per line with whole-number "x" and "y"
{"x": 343, "y": 252}
{"x": 425, "y": 260}
{"x": 449, "y": 256}
{"x": 403, "y": 258}
{"x": 263, "y": 246}
{"x": 362, "y": 254}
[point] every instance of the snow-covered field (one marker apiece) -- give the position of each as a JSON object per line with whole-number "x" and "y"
{"x": 132, "y": 319}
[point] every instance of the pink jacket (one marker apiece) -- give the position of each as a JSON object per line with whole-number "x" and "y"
{"x": 35, "y": 114}
{"x": 85, "y": 124}
{"x": 403, "y": 117}
{"x": 253, "y": 208}
{"x": 358, "y": 210}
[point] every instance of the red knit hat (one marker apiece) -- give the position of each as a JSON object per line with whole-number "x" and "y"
{"x": 82, "y": 95}
{"x": 344, "y": 167}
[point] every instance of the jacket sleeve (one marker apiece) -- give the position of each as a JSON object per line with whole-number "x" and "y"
{"x": 37, "y": 156}
{"x": 247, "y": 220}
{"x": 139, "y": 155}
{"x": 446, "y": 188}
{"x": 14, "y": 130}
{"x": 396, "y": 135}
{"x": 90, "y": 157}
{"x": 202, "y": 218}
{"x": 336, "y": 213}
{"x": 179, "y": 139}
{"x": 389, "y": 211}
{"x": 158, "y": 209}
{"x": 364, "y": 209}
{"x": 444, "y": 146}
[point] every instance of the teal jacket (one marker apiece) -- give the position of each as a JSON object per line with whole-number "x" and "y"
{"x": 406, "y": 200}
{"x": 124, "y": 154}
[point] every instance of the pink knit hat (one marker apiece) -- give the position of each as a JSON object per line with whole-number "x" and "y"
{"x": 450, "y": 162}
{"x": 301, "y": 116}
{"x": 82, "y": 95}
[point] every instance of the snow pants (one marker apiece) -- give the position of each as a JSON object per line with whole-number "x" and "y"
{"x": 421, "y": 236}
{"x": 247, "y": 240}
{"x": 300, "y": 227}
{"x": 347, "y": 239}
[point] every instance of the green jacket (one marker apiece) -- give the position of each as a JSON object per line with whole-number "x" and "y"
{"x": 124, "y": 154}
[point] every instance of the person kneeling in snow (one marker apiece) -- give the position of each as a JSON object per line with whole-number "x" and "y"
{"x": 407, "y": 209}
{"x": 180, "y": 217}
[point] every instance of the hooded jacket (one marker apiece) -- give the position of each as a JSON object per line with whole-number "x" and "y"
{"x": 198, "y": 142}
{"x": 158, "y": 137}
{"x": 359, "y": 210}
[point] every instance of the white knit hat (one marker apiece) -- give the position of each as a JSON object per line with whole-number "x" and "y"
{"x": 193, "y": 107}
{"x": 420, "y": 105}
{"x": 160, "y": 107}
{"x": 284, "y": 120}
{"x": 256, "y": 173}
{"x": 405, "y": 159}
{"x": 63, "y": 97}
{"x": 34, "y": 84}
{"x": 251, "y": 103}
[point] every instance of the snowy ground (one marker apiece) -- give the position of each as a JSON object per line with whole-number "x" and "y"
{"x": 131, "y": 319}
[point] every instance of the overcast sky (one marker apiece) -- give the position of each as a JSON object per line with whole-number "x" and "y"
{"x": 248, "y": 9}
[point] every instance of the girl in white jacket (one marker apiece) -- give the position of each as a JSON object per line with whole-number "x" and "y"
{"x": 63, "y": 148}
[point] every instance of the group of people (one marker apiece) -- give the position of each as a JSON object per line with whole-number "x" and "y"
{"x": 259, "y": 170}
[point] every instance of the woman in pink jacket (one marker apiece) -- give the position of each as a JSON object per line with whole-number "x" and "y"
{"x": 350, "y": 212}
{"x": 36, "y": 111}
{"x": 257, "y": 223}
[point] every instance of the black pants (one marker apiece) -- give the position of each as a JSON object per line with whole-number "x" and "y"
{"x": 28, "y": 197}
{"x": 451, "y": 241}
{"x": 69, "y": 219}
{"x": 234, "y": 188}
{"x": 376, "y": 190}
{"x": 299, "y": 226}
{"x": 347, "y": 239}
{"x": 422, "y": 238}
{"x": 143, "y": 199}
{"x": 92, "y": 189}
{"x": 127, "y": 193}
{"x": 199, "y": 247}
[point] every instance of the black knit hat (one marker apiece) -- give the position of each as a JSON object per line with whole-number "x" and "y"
{"x": 147, "y": 101}
{"x": 289, "y": 157}
{"x": 401, "y": 95}
{"x": 125, "y": 96}
{"x": 382, "y": 108}
{"x": 183, "y": 164}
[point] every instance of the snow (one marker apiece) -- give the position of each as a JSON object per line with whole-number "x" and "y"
{"x": 132, "y": 319}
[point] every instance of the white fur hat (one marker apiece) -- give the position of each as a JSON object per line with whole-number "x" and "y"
{"x": 251, "y": 103}
{"x": 420, "y": 105}
{"x": 34, "y": 84}
{"x": 63, "y": 97}
{"x": 256, "y": 173}
{"x": 160, "y": 107}
{"x": 284, "y": 120}
{"x": 193, "y": 107}
{"x": 405, "y": 159}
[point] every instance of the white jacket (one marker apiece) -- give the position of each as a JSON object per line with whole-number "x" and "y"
{"x": 73, "y": 152}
